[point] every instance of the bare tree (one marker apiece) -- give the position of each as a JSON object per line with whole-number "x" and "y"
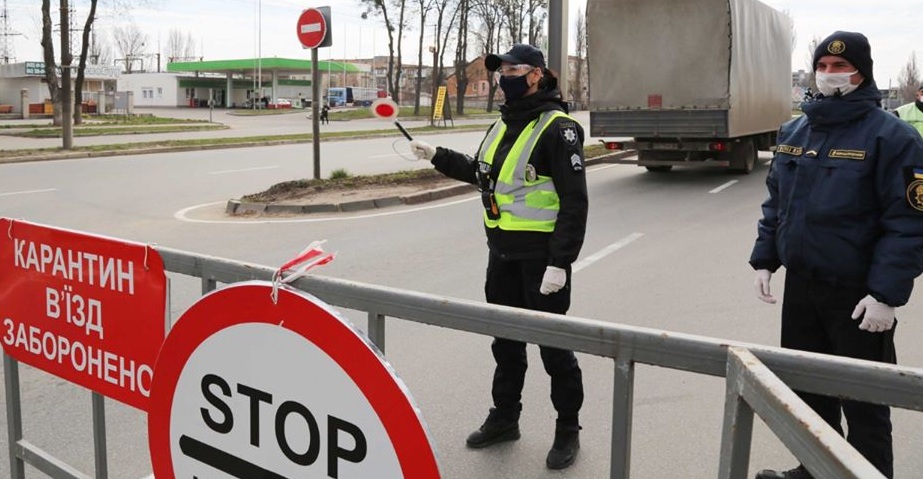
{"x": 189, "y": 52}
{"x": 491, "y": 16}
{"x": 441, "y": 31}
{"x": 909, "y": 80}
{"x": 461, "y": 56}
{"x": 81, "y": 67}
{"x": 537, "y": 13}
{"x": 580, "y": 39}
{"x": 392, "y": 26}
{"x": 424, "y": 8}
{"x": 178, "y": 45}
{"x": 130, "y": 41}
{"x": 51, "y": 66}
{"x": 514, "y": 11}
{"x": 809, "y": 78}
{"x": 525, "y": 19}
{"x": 87, "y": 49}
{"x": 401, "y": 5}
{"x": 100, "y": 53}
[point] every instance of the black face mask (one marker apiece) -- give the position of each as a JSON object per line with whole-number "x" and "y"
{"x": 514, "y": 88}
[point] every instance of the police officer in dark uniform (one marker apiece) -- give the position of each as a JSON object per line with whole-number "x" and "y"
{"x": 529, "y": 170}
{"x": 845, "y": 219}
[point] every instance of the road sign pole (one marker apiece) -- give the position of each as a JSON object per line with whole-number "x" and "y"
{"x": 315, "y": 103}
{"x": 313, "y": 30}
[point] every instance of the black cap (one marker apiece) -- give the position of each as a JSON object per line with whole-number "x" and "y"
{"x": 851, "y": 46}
{"x": 519, "y": 54}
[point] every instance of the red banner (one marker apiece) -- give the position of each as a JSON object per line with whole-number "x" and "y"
{"x": 88, "y": 309}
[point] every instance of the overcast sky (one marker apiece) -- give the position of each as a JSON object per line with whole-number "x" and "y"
{"x": 226, "y": 29}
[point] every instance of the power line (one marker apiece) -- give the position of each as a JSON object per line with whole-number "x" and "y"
{"x": 7, "y": 53}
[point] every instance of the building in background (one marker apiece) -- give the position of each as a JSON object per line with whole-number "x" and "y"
{"x": 28, "y": 78}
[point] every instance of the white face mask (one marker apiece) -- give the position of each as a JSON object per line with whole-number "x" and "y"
{"x": 829, "y": 83}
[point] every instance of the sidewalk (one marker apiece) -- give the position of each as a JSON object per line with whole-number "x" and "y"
{"x": 239, "y": 126}
{"x": 293, "y": 123}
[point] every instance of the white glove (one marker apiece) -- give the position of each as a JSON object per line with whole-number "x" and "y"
{"x": 761, "y": 284}
{"x": 553, "y": 281}
{"x": 422, "y": 150}
{"x": 878, "y": 316}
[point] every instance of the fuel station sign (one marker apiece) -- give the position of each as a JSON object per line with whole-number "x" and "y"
{"x": 257, "y": 380}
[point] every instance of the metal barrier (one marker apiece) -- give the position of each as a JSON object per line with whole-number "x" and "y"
{"x": 760, "y": 379}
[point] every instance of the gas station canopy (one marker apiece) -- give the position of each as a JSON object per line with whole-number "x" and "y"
{"x": 247, "y": 66}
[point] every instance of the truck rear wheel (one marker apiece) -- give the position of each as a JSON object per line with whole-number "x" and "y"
{"x": 743, "y": 157}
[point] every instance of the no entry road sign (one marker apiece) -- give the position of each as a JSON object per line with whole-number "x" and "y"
{"x": 246, "y": 387}
{"x": 312, "y": 28}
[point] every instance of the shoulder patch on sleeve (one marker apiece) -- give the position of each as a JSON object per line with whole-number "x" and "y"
{"x": 914, "y": 179}
{"x": 568, "y": 132}
{"x": 576, "y": 162}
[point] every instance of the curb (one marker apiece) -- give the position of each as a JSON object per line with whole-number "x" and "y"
{"x": 164, "y": 149}
{"x": 236, "y": 207}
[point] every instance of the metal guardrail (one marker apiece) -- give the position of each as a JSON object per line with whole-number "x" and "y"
{"x": 760, "y": 379}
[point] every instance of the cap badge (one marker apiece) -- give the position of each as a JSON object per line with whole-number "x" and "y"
{"x": 836, "y": 47}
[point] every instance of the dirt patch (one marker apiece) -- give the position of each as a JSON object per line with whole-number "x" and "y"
{"x": 354, "y": 188}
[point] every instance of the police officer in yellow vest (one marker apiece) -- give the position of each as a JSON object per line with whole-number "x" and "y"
{"x": 913, "y": 112}
{"x": 530, "y": 172}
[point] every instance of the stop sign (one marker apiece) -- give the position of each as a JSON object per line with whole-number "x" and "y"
{"x": 256, "y": 381}
{"x": 312, "y": 28}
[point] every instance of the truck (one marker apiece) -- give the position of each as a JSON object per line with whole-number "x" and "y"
{"x": 353, "y": 95}
{"x": 688, "y": 83}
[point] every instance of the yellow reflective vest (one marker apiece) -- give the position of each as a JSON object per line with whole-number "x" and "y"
{"x": 911, "y": 114}
{"x": 525, "y": 204}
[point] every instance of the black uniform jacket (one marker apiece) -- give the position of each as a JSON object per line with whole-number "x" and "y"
{"x": 558, "y": 154}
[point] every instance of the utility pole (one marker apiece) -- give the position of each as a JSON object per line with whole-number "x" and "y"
{"x": 67, "y": 102}
{"x": 557, "y": 43}
{"x": 6, "y": 42}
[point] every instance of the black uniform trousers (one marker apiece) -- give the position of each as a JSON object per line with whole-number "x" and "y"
{"x": 516, "y": 283}
{"x": 816, "y": 316}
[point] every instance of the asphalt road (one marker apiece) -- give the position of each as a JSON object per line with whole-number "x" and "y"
{"x": 687, "y": 237}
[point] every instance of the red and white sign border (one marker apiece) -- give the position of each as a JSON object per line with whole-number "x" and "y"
{"x": 327, "y": 330}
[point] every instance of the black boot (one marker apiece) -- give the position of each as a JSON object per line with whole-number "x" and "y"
{"x": 564, "y": 450}
{"x": 497, "y": 428}
{"x": 797, "y": 473}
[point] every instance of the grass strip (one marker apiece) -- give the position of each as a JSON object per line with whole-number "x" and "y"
{"x": 106, "y": 131}
{"x": 206, "y": 142}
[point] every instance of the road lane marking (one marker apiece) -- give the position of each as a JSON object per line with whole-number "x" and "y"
{"x": 718, "y": 189}
{"x": 612, "y": 248}
{"x": 243, "y": 170}
{"x": 26, "y": 192}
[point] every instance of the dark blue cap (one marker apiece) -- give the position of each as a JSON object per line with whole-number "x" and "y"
{"x": 851, "y": 46}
